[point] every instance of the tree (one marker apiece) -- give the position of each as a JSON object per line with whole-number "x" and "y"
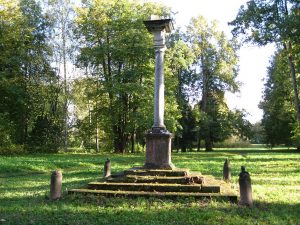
{"x": 10, "y": 47}
{"x": 180, "y": 58}
{"x": 215, "y": 69}
{"x": 273, "y": 21}
{"x": 117, "y": 52}
{"x": 61, "y": 15}
{"x": 42, "y": 83}
{"x": 241, "y": 127}
{"x": 85, "y": 95}
{"x": 278, "y": 118}
{"x": 28, "y": 83}
{"x": 258, "y": 134}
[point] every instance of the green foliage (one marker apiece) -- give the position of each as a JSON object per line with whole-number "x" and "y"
{"x": 28, "y": 85}
{"x": 43, "y": 137}
{"x": 5, "y": 130}
{"x": 213, "y": 72}
{"x": 240, "y": 125}
{"x": 116, "y": 51}
{"x": 7, "y": 145}
{"x": 295, "y": 138}
{"x": 113, "y": 98}
{"x": 267, "y": 21}
{"x": 264, "y": 22}
{"x": 179, "y": 58}
{"x": 279, "y": 114}
{"x": 233, "y": 142}
{"x": 258, "y": 135}
{"x": 215, "y": 124}
{"x": 25, "y": 184}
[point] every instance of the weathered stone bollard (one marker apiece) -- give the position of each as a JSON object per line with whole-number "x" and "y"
{"x": 55, "y": 185}
{"x": 226, "y": 170}
{"x": 245, "y": 188}
{"x": 107, "y": 168}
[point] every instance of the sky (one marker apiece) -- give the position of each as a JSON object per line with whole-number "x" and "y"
{"x": 253, "y": 60}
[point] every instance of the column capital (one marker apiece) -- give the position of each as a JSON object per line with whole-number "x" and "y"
{"x": 159, "y": 24}
{"x": 159, "y": 39}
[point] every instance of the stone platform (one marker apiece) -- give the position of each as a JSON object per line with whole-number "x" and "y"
{"x": 139, "y": 182}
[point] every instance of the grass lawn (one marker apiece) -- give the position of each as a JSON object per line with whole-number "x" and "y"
{"x": 24, "y": 187}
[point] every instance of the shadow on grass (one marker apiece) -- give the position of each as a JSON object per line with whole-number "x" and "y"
{"x": 27, "y": 184}
{"x": 17, "y": 166}
{"x": 256, "y": 151}
{"x": 240, "y": 151}
{"x": 101, "y": 210}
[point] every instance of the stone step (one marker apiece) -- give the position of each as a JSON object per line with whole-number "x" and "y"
{"x": 157, "y": 179}
{"x": 148, "y": 187}
{"x": 210, "y": 188}
{"x": 169, "y": 173}
{"x": 110, "y": 193}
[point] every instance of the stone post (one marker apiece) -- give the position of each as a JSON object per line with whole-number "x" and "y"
{"x": 245, "y": 188}
{"x": 107, "y": 169}
{"x": 55, "y": 185}
{"x": 158, "y": 139}
{"x": 226, "y": 170}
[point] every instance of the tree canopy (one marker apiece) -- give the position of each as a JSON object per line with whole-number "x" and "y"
{"x": 107, "y": 103}
{"x": 276, "y": 21}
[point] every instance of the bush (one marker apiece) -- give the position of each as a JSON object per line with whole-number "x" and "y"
{"x": 138, "y": 148}
{"x": 233, "y": 142}
{"x": 45, "y": 137}
{"x": 7, "y": 146}
{"x": 296, "y": 137}
{"x": 12, "y": 150}
{"x": 5, "y": 130}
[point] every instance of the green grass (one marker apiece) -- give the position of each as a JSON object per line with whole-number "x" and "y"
{"x": 24, "y": 187}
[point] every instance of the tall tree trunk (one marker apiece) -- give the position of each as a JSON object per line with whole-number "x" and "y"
{"x": 208, "y": 144}
{"x": 133, "y": 136}
{"x": 107, "y": 69}
{"x": 96, "y": 120}
{"x": 203, "y": 107}
{"x": 120, "y": 140}
{"x": 23, "y": 134}
{"x": 90, "y": 124}
{"x": 294, "y": 83}
{"x": 183, "y": 144}
{"x": 295, "y": 87}
{"x": 199, "y": 138}
{"x": 121, "y": 137}
{"x": 198, "y": 143}
{"x": 287, "y": 47}
{"x": 97, "y": 139}
{"x": 177, "y": 143}
{"x": 65, "y": 88}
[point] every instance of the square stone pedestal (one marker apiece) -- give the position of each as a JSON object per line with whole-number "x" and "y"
{"x": 158, "y": 150}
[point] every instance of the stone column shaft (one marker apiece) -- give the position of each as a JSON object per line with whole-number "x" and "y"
{"x": 159, "y": 99}
{"x": 159, "y": 104}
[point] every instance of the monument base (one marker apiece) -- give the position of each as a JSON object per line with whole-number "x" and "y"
{"x": 158, "y": 149}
